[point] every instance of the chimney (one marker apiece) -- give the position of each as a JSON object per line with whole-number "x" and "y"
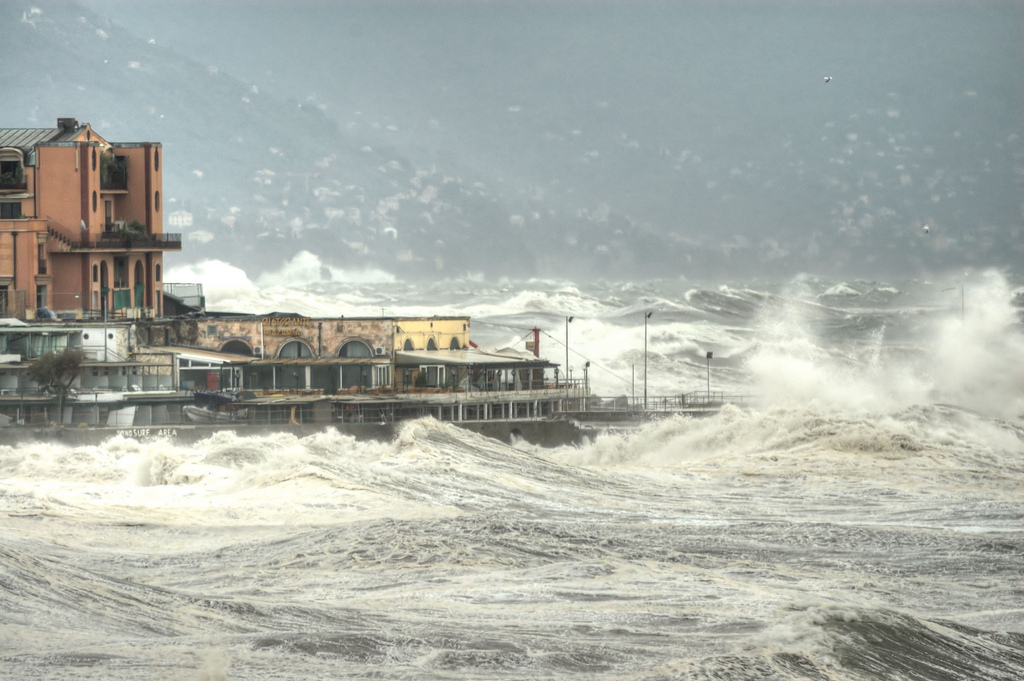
{"x": 67, "y": 124}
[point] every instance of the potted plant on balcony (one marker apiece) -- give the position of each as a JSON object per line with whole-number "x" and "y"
{"x": 12, "y": 178}
{"x": 132, "y": 230}
{"x": 113, "y": 171}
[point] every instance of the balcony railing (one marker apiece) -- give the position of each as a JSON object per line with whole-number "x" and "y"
{"x": 128, "y": 240}
{"x": 120, "y": 240}
{"x": 12, "y": 181}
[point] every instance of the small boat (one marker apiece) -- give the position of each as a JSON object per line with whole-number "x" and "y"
{"x": 215, "y": 407}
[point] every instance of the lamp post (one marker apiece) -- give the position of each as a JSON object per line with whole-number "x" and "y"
{"x": 646, "y": 317}
{"x": 586, "y": 385}
{"x": 566, "y": 371}
{"x": 710, "y": 355}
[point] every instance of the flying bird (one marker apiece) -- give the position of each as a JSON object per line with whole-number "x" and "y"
{"x": 507, "y": 287}
{"x": 926, "y": 229}
{"x": 828, "y": 79}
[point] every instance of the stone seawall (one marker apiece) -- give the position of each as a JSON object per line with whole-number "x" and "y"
{"x": 541, "y": 433}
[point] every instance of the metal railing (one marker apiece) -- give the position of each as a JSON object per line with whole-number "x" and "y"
{"x": 129, "y": 240}
{"x": 694, "y": 401}
{"x": 118, "y": 240}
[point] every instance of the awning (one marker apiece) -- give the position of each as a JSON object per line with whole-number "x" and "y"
{"x": 200, "y": 355}
{"x": 469, "y": 358}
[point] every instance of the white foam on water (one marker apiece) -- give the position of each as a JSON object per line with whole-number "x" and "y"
{"x": 715, "y": 547}
{"x": 967, "y": 362}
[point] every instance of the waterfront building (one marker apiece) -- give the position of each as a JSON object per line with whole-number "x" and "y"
{"x": 81, "y": 258}
{"x": 81, "y": 224}
{"x": 283, "y": 351}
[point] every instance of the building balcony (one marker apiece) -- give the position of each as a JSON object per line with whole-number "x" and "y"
{"x": 114, "y": 173}
{"x": 9, "y": 182}
{"x": 113, "y": 184}
{"x": 146, "y": 242}
{"x": 12, "y": 175}
{"x": 119, "y": 241}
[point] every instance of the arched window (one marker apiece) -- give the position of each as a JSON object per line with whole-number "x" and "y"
{"x": 355, "y": 348}
{"x": 157, "y": 271}
{"x": 237, "y": 347}
{"x": 294, "y": 350}
{"x": 95, "y": 273}
{"x": 94, "y": 158}
{"x": 94, "y": 202}
{"x": 156, "y": 159}
{"x": 408, "y": 344}
{"x": 431, "y": 345}
{"x": 156, "y": 201}
{"x": 454, "y": 345}
{"x": 139, "y": 276}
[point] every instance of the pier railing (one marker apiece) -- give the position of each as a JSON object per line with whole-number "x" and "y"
{"x": 684, "y": 402}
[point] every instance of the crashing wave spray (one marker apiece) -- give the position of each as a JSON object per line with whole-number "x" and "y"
{"x": 966, "y": 361}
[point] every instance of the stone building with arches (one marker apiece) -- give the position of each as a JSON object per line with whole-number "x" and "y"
{"x": 81, "y": 224}
{"x": 432, "y": 333}
{"x": 284, "y": 351}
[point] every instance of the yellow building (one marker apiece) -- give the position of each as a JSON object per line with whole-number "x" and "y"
{"x": 431, "y": 333}
{"x": 81, "y": 223}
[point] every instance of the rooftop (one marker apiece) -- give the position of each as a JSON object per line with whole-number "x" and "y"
{"x": 27, "y": 138}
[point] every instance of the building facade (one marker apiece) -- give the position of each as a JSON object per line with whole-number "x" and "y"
{"x": 81, "y": 224}
{"x": 282, "y": 351}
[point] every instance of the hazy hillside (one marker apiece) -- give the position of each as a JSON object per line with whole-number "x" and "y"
{"x": 585, "y": 139}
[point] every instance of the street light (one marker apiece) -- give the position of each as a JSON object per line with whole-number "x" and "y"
{"x": 646, "y": 317}
{"x": 566, "y": 371}
{"x": 710, "y": 355}
{"x": 586, "y": 386}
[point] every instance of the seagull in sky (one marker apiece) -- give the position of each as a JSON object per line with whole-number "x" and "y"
{"x": 926, "y": 229}
{"x": 507, "y": 287}
{"x": 828, "y": 79}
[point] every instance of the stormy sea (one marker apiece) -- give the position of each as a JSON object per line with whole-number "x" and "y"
{"x": 861, "y": 516}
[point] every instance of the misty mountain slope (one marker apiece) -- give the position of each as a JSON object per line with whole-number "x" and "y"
{"x": 263, "y": 178}
{"x": 578, "y": 139}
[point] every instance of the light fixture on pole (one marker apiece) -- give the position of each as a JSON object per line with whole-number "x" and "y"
{"x": 646, "y": 317}
{"x": 710, "y": 355}
{"x": 565, "y": 372}
{"x": 586, "y": 386}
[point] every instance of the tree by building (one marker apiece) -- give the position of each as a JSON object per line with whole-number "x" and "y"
{"x": 57, "y": 372}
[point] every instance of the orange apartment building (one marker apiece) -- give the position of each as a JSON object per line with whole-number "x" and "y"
{"x": 81, "y": 224}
